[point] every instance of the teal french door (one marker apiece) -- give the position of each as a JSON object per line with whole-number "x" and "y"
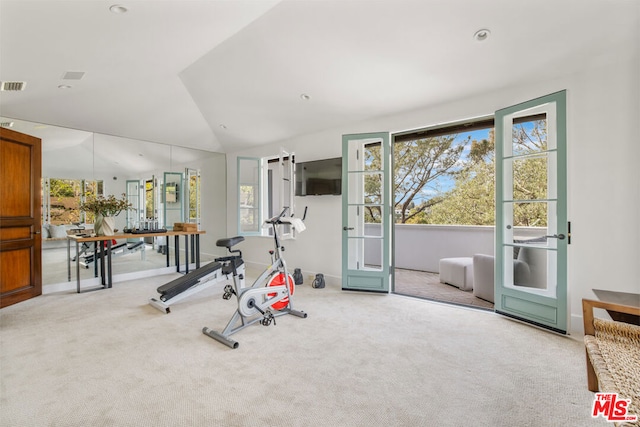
{"x": 532, "y": 232}
{"x": 366, "y": 212}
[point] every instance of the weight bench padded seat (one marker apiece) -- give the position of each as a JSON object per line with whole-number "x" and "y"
{"x": 457, "y": 272}
{"x": 181, "y": 284}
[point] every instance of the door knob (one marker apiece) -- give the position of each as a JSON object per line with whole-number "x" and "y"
{"x": 348, "y": 228}
{"x": 556, "y": 236}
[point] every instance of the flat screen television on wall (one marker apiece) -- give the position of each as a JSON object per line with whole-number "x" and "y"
{"x": 319, "y": 177}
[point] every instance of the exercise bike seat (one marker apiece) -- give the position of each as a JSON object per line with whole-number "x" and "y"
{"x": 229, "y": 242}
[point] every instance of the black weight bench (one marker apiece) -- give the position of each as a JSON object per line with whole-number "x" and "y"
{"x": 181, "y": 284}
{"x": 201, "y": 278}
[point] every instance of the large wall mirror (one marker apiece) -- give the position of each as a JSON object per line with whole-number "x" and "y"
{"x": 153, "y": 178}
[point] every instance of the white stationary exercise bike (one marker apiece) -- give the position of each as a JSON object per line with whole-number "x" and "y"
{"x": 270, "y": 295}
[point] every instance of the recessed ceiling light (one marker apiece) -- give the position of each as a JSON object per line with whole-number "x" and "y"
{"x": 64, "y": 87}
{"x": 117, "y": 8}
{"x": 481, "y": 35}
{"x": 305, "y": 97}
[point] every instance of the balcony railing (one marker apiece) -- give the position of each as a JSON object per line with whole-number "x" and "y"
{"x": 420, "y": 246}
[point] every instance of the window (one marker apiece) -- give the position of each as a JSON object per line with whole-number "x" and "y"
{"x": 249, "y": 200}
{"x": 62, "y": 197}
{"x": 193, "y": 202}
{"x": 265, "y": 188}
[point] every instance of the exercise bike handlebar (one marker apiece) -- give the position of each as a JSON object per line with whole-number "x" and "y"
{"x": 276, "y": 219}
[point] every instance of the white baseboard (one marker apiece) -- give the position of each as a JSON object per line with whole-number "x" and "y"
{"x": 95, "y": 281}
{"x": 255, "y": 269}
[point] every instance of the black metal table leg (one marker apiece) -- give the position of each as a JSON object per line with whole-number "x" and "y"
{"x": 186, "y": 253}
{"x": 102, "y": 265}
{"x": 110, "y": 276}
{"x": 69, "y": 258}
{"x": 193, "y": 252}
{"x": 197, "y": 236}
{"x": 166, "y": 249}
{"x": 77, "y": 266}
{"x": 95, "y": 258}
{"x": 177, "y": 250}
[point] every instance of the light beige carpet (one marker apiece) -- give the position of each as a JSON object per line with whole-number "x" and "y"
{"x": 107, "y": 358}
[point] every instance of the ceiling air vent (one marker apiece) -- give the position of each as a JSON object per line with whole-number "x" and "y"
{"x": 12, "y": 86}
{"x": 73, "y": 75}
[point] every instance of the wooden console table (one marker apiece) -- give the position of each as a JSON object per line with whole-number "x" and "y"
{"x": 104, "y": 245}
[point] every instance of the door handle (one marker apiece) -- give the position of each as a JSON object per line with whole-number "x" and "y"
{"x": 348, "y": 228}
{"x": 36, "y": 232}
{"x": 556, "y": 236}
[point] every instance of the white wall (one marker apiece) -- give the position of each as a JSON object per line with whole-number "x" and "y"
{"x": 603, "y": 175}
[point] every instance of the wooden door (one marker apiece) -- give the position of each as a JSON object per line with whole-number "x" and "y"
{"x": 20, "y": 217}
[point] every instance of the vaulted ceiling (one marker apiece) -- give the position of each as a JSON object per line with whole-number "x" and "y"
{"x": 224, "y": 75}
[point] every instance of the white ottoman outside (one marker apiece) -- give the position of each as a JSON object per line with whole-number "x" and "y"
{"x": 457, "y": 272}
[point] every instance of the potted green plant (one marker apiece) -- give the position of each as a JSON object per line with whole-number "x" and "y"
{"x": 105, "y": 210}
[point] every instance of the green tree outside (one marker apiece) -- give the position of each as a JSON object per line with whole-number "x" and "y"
{"x": 419, "y": 164}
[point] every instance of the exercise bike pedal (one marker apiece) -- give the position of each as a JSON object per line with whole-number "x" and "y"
{"x": 267, "y": 319}
{"x": 228, "y": 291}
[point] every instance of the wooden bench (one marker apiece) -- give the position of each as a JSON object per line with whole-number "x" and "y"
{"x": 613, "y": 352}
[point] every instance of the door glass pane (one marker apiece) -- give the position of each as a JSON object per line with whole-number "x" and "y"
{"x": 529, "y": 136}
{"x": 365, "y": 254}
{"x": 533, "y": 223}
{"x": 530, "y": 178}
{"x": 373, "y": 156}
{"x": 373, "y": 220}
{"x": 533, "y": 214}
{"x": 365, "y": 155}
{"x": 365, "y": 188}
{"x": 530, "y": 267}
{"x": 370, "y": 227}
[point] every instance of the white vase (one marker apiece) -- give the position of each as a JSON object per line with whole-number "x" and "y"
{"x": 105, "y": 225}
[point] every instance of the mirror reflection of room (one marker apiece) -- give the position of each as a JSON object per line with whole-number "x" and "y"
{"x": 77, "y": 164}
